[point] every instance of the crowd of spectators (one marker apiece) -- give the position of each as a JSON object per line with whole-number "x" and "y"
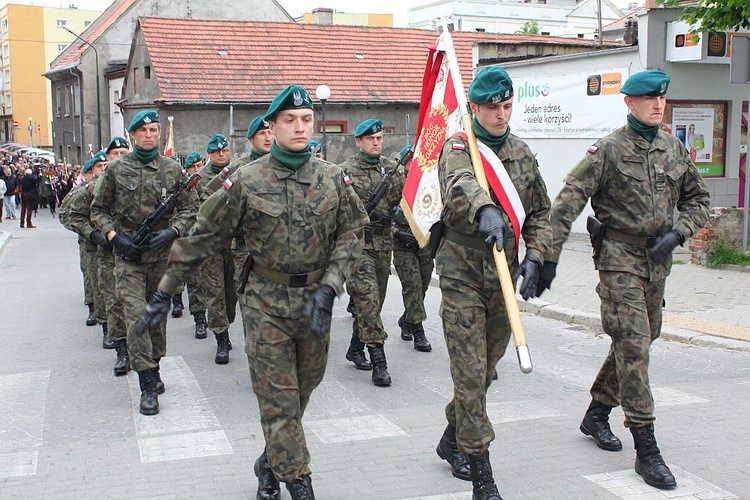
{"x": 30, "y": 183}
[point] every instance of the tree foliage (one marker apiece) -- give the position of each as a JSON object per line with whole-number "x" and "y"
{"x": 529, "y": 28}
{"x": 714, "y": 15}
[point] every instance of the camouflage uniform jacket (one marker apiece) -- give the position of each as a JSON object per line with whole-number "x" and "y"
{"x": 463, "y": 197}
{"x": 75, "y": 212}
{"x": 365, "y": 177}
{"x": 236, "y": 244}
{"x": 634, "y": 187}
{"x": 294, "y": 222}
{"x": 128, "y": 191}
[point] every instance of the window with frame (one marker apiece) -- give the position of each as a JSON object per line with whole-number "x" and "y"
{"x": 66, "y": 103}
{"x": 61, "y": 47}
{"x": 147, "y": 72}
{"x": 8, "y": 104}
{"x": 76, "y": 98}
{"x": 135, "y": 80}
{"x": 389, "y": 130}
{"x": 332, "y": 126}
{"x": 62, "y": 22}
{"x": 58, "y": 100}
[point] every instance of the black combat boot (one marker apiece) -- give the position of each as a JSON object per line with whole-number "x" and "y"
{"x": 406, "y": 333}
{"x": 380, "y": 375}
{"x": 268, "y": 485}
{"x": 91, "y": 319}
{"x": 420, "y": 339}
{"x": 222, "y": 348}
{"x": 447, "y": 449}
{"x": 122, "y": 365}
{"x": 596, "y": 424}
{"x": 200, "y": 324}
{"x": 177, "y": 305}
{"x": 648, "y": 461}
{"x": 301, "y": 489}
{"x": 356, "y": 354}
{"x": 160, "y": 388}
{"x": 106, "y": 341}
{"x": 351, "y": 308}
{"x": 149, "y": 398}
{"x": 481, "y": 477}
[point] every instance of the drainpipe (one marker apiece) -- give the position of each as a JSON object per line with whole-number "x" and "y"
{"x": 80, "y": 113}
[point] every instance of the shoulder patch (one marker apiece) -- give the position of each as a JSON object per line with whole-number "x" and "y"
{"x": 459, "y": 146}
{"x": 227, "y": 184}
{"x": 347, "y": 180}
{"x": 592, "y": 149}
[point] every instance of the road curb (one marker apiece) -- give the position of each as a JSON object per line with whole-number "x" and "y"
{"x": 593, "y": 321}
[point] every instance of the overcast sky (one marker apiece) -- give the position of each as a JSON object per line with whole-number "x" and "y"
{"x": 295, "y": 8}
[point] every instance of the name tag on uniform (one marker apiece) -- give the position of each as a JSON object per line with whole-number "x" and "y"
{"x": 661, "y": 178}
{"x": 633, "y": 159}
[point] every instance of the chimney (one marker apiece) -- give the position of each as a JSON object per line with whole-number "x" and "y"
{"x": 650, "y": 4}
{"x": 322, "y": 15}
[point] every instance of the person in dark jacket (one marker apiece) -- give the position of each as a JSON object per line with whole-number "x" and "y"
{"x": 29, "y": 196}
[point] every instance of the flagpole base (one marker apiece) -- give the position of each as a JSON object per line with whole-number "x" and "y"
{"x": 524, "y": 358}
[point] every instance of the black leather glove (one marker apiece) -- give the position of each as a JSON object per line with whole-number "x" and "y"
{"x": 97, "y": 238}
{"x": 492, "y": 226}
{"x": 547, "y": 274}
{"x": 529, "y": 269}
{"x": 126, "y": 247}
{"x": 665, "y": 243}
{"x": 161, "y": 240}
{"x": 156, "y": 310}
{"x": 399, "y": 217}
{"x": 319, "y": 307}
{"x": 407, "y": 240}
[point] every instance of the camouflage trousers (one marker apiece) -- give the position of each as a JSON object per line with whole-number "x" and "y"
{"x": 631, "y": 316}
{"x": 196, "y": 293}
{"x": 87, "y": 256}
{"x": 136, "y": 285}
{"x": 220, "y": 289}
{"x": 477, "y": 331}
{"x": 287, "y": 362}
{"x": 415, "y": 272}
{"x": 114, "y": 316}
{"x": 367, "y": 286}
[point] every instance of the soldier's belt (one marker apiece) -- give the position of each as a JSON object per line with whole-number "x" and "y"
{"x": 296, "y": 280}
{"x": 466, "y": 240}
{"x": 639, "y": 241}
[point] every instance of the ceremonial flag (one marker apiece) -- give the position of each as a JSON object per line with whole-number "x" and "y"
{"x": 169, "y": 143}
{"x": 439, "y": 118}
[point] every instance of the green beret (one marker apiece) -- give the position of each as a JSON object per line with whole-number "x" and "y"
{"x": 405, "y": 149}
{"x": 292, "y": 97}
{"x": 491, "y": 85}
{"x": 216, "y": 143}
{"x": 368, "y": 127}
{"x": 314, "y": 146}
{"x": 116, "y": 143}
{"x": 143, "y": 118}
{"x": 650, "y": 83}
{"x": 192, "y": 158}
{"x": 259, "y": 123}
{"x": 175, "y": 158}
{"x": 100, "y": 156}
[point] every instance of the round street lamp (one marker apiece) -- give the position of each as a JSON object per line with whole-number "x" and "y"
{"x": 323, "y": 92}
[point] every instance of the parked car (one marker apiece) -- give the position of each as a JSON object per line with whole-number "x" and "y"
{"x": 41, "y": 154}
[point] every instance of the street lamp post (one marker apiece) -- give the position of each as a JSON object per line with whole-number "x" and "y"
{"x": 31, "y": 132}
{"x": 98, "y": 98}
{"x": 323, "y": 92}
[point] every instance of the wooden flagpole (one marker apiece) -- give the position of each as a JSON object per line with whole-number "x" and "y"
{"x": 501, "y": 261}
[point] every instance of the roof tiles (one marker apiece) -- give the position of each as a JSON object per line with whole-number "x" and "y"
{"x": 248, "y": 61}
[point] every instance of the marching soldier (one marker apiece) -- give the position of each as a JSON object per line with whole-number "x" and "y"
{"x": 473, "y": 310}
{"x": 414, "y": 268}
{"x": 75, "y": 212}
{"x": 300, "y": 219}
{"x": 369, "y": 281}
{"x": 635, "y": 177}
{"x": 196, "y": 294}
{"x": 128, "y": 191}
{"x": 218, "y": 270}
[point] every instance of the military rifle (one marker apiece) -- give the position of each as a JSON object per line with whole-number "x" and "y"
{"x": 380, "y": 189}
{"x": 165, "y": 206}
